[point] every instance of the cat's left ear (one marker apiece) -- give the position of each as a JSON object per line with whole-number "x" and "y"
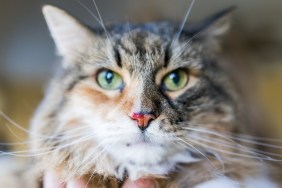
{"x": 70, "y": 36}
{"x": 215, "y": 26}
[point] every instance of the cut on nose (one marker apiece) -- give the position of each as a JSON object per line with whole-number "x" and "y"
{"x": 143, "y": 120}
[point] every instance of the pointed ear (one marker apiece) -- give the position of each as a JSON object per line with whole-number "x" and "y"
{"x": 70, "y": 36}
{"x": 216, "y": 25}
{"x": 220, "y": 23}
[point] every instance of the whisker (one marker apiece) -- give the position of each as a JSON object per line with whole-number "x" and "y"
{"x": 244, "y": 136}
{"x": 13, "y": 132}
{"x": 89, "y": 11}
{"x": 102, "y": 22}
{"x": 49, "y": 150}
{"x": 185, "y": 19}
{"x": 88, "y": 160}
{"x": 233, "y": 146}
{"x": 213, "y": 168}
{"x": 256, "y": 152}
{"x": 12, "y": 122}
{"x": 90, "y": 155}
{"x": 7, "y": 118}
{"x": 234, "y": 153}
{"x": 99, "y": 20}
{"x": 230, "y": 136}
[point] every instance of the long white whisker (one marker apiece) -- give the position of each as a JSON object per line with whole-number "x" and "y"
{"x": 232, "y": 146}
{"x": 85, "y": 160}
{"x": 48, "y": 150}
{"x": 229, "y": 136}
{"x": 185, "y": 19}
{"x": 240, "y": 147}
{"x": 102, "y": 22}
{"x": 89, "y": 161}
{"x": 21, "y": 127}
{"x": 197, "y": 150}
{"x": 89, "y": 11}
{"x": 13, "y": 132}
{"x": 13, "y": 122}
{"x": 233, "y": 153}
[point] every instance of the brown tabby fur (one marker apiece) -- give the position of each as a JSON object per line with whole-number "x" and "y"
{"x": 142, "y": 56}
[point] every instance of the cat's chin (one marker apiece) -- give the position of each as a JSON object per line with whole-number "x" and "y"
{"x": 142, "y": 159}
{"x": 136, "y": 171}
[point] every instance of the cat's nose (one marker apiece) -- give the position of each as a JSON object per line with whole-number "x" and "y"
{"x": 143, "y": 119}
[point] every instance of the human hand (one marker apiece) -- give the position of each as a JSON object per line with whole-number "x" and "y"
{"x": 51, "y": 180}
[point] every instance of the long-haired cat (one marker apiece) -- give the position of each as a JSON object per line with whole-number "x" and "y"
{"x": 145, "y": 101}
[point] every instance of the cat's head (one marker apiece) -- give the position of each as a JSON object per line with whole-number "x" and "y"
{"x": 136, "y": 99}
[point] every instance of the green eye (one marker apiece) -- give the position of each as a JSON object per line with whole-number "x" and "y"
{"x": 109, "y": 80}
{"x": 175, "y": 80}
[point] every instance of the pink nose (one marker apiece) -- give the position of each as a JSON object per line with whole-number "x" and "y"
{"x": 142, "y": 119}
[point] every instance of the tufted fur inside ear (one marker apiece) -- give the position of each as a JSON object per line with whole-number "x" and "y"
{"x": 70, "y": 36}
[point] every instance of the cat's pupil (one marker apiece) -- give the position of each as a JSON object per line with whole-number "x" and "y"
{"x": 109, "y": 77}
{"x": 174, "y": 77}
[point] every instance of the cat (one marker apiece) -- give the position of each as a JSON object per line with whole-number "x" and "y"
{"x": 145, "y": 100}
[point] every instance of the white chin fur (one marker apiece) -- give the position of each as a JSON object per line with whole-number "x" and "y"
{"x": 158, "y": 156}
{"x": 154, "y": 166}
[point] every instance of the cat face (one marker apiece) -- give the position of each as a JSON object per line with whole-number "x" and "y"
{"x": 129, "y": 98}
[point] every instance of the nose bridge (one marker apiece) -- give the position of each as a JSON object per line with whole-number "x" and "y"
{"x": 142, "y": 98}
{"x": 150, "y": 101}
{"x": 148, "y": 105}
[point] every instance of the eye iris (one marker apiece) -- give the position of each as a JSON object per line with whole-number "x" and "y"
{"x": 109, "y": 80}
{"x": 175, "y": 80}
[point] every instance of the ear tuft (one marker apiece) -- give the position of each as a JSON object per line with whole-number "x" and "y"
{"x": 70, "y": 36}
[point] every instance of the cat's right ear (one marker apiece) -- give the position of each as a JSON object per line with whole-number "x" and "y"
{"x": 70, "y": 36}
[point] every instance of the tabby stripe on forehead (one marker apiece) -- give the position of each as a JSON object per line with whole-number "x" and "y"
{"x": 124, "y": 48}
{"x": 139, "y": 44}
{"x": 167, "y": 55}
{"x": 117, "y": 57}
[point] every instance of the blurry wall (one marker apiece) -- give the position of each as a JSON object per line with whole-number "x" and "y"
{"x": 27, "y": 53}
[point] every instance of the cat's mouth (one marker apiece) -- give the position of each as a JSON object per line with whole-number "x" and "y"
{"x": 142, "y": 140}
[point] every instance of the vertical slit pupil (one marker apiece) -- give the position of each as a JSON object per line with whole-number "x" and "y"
{"x": 109, "y": 77}
{"x": 175, "y": 77}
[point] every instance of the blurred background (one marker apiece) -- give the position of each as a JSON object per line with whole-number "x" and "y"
{"x": 28, "y": 58}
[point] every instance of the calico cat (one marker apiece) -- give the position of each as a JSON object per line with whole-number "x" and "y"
{"x": 145, "y": 100}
